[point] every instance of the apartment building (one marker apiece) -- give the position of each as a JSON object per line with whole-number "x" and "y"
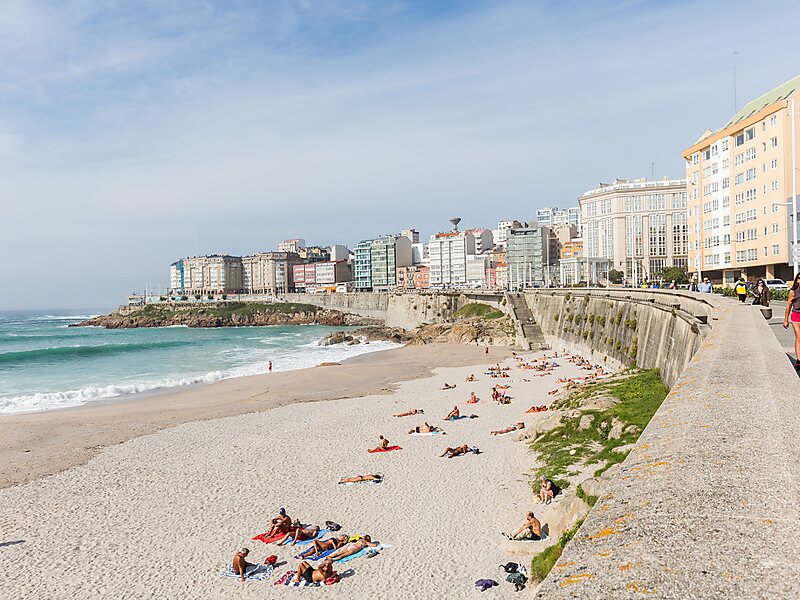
{"x": 639, "y": 226}
{"x": 376, "y": 261}
{"x": 530, "y": 253}
{"x": 501, "y": 233}
{"x": 476, "y": 267}
{"x": 447, "y": 256}
{"x": 413, "y": 277}
{"x": 293, "y": 245}
{"x": 742, "y": 182}
{"x": 484, "y": 239}
{"x": 321, "y": 276}
{"x": 411, "y": 234}
{"x": 212, "y": 274}
{"x": 552, "y": 217}
{"x": 269, "y": 272}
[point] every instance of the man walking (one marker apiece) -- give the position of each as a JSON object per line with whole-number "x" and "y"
{"x": 706, "y": 287}
{"x": 741, "y": 290}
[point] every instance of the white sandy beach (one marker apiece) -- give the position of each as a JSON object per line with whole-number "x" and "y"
{"x": 161, "y": 515}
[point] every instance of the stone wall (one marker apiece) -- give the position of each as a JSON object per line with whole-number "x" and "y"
{"x": 660, "y": 330}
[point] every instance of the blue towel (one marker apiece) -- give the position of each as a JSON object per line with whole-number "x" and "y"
{"x": 257, "y": 572}
{"x": 429, "y": 433}
{"x": 315, "y": 557}
{"x": 361, "y": 553}
{"x": 458, "y": 418}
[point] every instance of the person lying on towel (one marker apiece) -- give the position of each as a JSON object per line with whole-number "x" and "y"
{"x": 509, "y": 429}
{"x": 424, "y": 428}
{"x": 408, "y": 413}
{"x": 280, "y": 524}
{"x": 447, "y": 386}
{"x": 360, "y": 478}
{"x": 452, "y": 452}
{"x": 319, "y": 547}
{"x": 312, "y": 575}
{"x": 353, "y": 548}
{"x": 299, "y": 534}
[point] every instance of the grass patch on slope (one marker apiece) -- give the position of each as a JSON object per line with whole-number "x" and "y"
{"x": 543, "y": 562}
{"x": 475, "y": 310}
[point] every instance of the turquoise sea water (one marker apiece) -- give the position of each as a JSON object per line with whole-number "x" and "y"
{"x": 44, "y": 364}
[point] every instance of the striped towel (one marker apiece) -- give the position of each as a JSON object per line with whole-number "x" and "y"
{"x": 255, "y": 572}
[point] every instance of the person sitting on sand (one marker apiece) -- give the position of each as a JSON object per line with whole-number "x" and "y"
{"x": 383, "y": 445}
{"x": 280, "y": 524}
{"x": 548, "y": 490}
{"x": 416, "y": 411}
{"x": 312, "y": 575}
{"x": 358, "y": 545}
{"x": 473, "y": 399}
{"x": 471, "y": 377}
{"x": 361, "y": 478}
{"x": 447, "y": 386}
{"x": 240, "y": 565}
{"x": 509, "y": 429}
{"x": 318, "y": 547}
{"x": 299, "y": 534}
{"x": 532, "y": 529}
{"x": 424, "y": 428}
{"x": 453, "y": 414}
{"x": 453, "y": 452}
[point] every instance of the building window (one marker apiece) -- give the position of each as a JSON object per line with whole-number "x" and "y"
{"x": 774, "y": 163}
{"x": 775, "y": 228}
{"x": 749, "y": 133}
{"x": 773, "y": 142}
{"x": 739, "y": 140}
{"x": 695, "y": 158}
{"x": 775, "y": 207}
{"x": 776, "y": 249}
{"x": 726, "y": 201}
{"x": 773, "y": 120}
{"x": 724, "y": 145}
{"x": 775, "y": 185}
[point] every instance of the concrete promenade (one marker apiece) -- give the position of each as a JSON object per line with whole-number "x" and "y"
{"x": 706, "y": 505}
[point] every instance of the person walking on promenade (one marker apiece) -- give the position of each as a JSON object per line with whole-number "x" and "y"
{"x": 706, "y": 286}
{"x": 793, "y": 316}
{"x": 741, "y": 290}
{"x": 760, "y": 293}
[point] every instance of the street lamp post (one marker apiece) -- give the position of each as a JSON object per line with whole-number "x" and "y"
{"x": 795, "y": 256}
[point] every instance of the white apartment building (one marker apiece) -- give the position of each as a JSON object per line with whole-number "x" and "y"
{"x": 484, "y": 239}
{"x": 553, "y": 216}
{"x": 294, "y": 245}
{"x": 476, "y": 266}
{"x": 218, "y": 273}
{"x": 640, "y": 226}
{"x": 269, "y": 272}
{"x": 501, "y": 233}
{"x": 411, "y": 234}
{"x": 447, "y": 254}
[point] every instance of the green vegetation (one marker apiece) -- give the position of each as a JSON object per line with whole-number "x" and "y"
{"x": 581, "y": 493}
{"x": 476, "y": 310}
{"x": 543, "y": 562}
{"x": 228, "y": 309}
{"x": 615, "y": 276}
{"x": 677, "y": 273}
{"x": 567, "y": 446}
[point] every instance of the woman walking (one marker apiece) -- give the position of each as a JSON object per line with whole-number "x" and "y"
{"x": 761, "y": 294}
{"x": 793, "y": 316}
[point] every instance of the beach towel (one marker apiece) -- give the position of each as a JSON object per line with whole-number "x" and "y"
{"x": 457, "y": 418}
{"x": 429, "y": 433}
{"x": 288, "y": 581}
{"x": 262, "y": 537}
{"x": 320, "y": 534}
{"x": 255, "y": 572}
{"x": 360, "y": 553}
{"x": 313, "y": 557}
{"x": 389, "y": 449}
{"x": 365, "y": 481}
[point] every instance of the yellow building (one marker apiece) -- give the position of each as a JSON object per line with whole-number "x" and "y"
{"x": 741, "y": 181}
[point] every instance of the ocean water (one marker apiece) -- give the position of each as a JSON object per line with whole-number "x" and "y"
{"x": 45, "y": 364}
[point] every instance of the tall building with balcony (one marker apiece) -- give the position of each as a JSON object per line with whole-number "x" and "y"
{"x": 447, "y": 256}
{"x": 362, "y": 265}
{"x": 212, "y": 274}
{"x": 530, "y": 252}
{"x": 639, "y": 226}
{"x": 376, "y": 261}
{"x": 269, "y": 272}
{"x": 742, "y": 181}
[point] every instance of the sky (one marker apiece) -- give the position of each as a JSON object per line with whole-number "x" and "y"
{"x": 133, "y": 133}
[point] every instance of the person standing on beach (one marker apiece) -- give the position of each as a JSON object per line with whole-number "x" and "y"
{"x": 741, "y": 290}
{"x": 269, "y": 367}
{"x": 793, "y": 316}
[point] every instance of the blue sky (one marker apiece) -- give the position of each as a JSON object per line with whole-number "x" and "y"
{"x": 133, "y": 133}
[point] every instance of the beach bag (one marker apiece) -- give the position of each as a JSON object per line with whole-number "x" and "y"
{"x": 510, "y": 567}
{"x": 516, "y": 578}
{"x": 332, "y": 526}
{"x": 271, "y": 560}
{"x": 332, "y": 579}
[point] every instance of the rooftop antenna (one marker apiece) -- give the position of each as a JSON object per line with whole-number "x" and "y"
{"x": 455, "y": 221}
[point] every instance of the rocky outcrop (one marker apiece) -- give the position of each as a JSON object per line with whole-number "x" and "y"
{"x": 223, "y": 315}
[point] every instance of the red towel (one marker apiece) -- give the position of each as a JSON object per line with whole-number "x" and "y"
{"x": 262, "y": 537}
{"x": 389, "y": 449}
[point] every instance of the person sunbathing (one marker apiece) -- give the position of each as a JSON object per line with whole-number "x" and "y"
{"x": 548, "y": 490}
{"x": 416, "y": 411}
{"x": 383, "y": 445}
{"x": 240, "y": 565}
{"x": 453, "y": 414}
{"x": 509, "y": 429}
{"x": 471, "y": 377}
{"x": 319, "y": 547}
{"x": 458, "y": 451}
{"x": 280, "y": 524}
{"x": 358, "y": 545}
{"x": 299, "y": 534}
{"x": 424, "y": 428}
{"x": 312, "y": 575}
{"x": 447, "y": 386}
{"x": 361, "y": 478}
{"x": 532, "y": 529}
{"x": 473, "y": 399}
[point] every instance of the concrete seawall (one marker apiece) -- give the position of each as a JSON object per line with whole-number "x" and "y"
{"x": 706, "y": 504}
